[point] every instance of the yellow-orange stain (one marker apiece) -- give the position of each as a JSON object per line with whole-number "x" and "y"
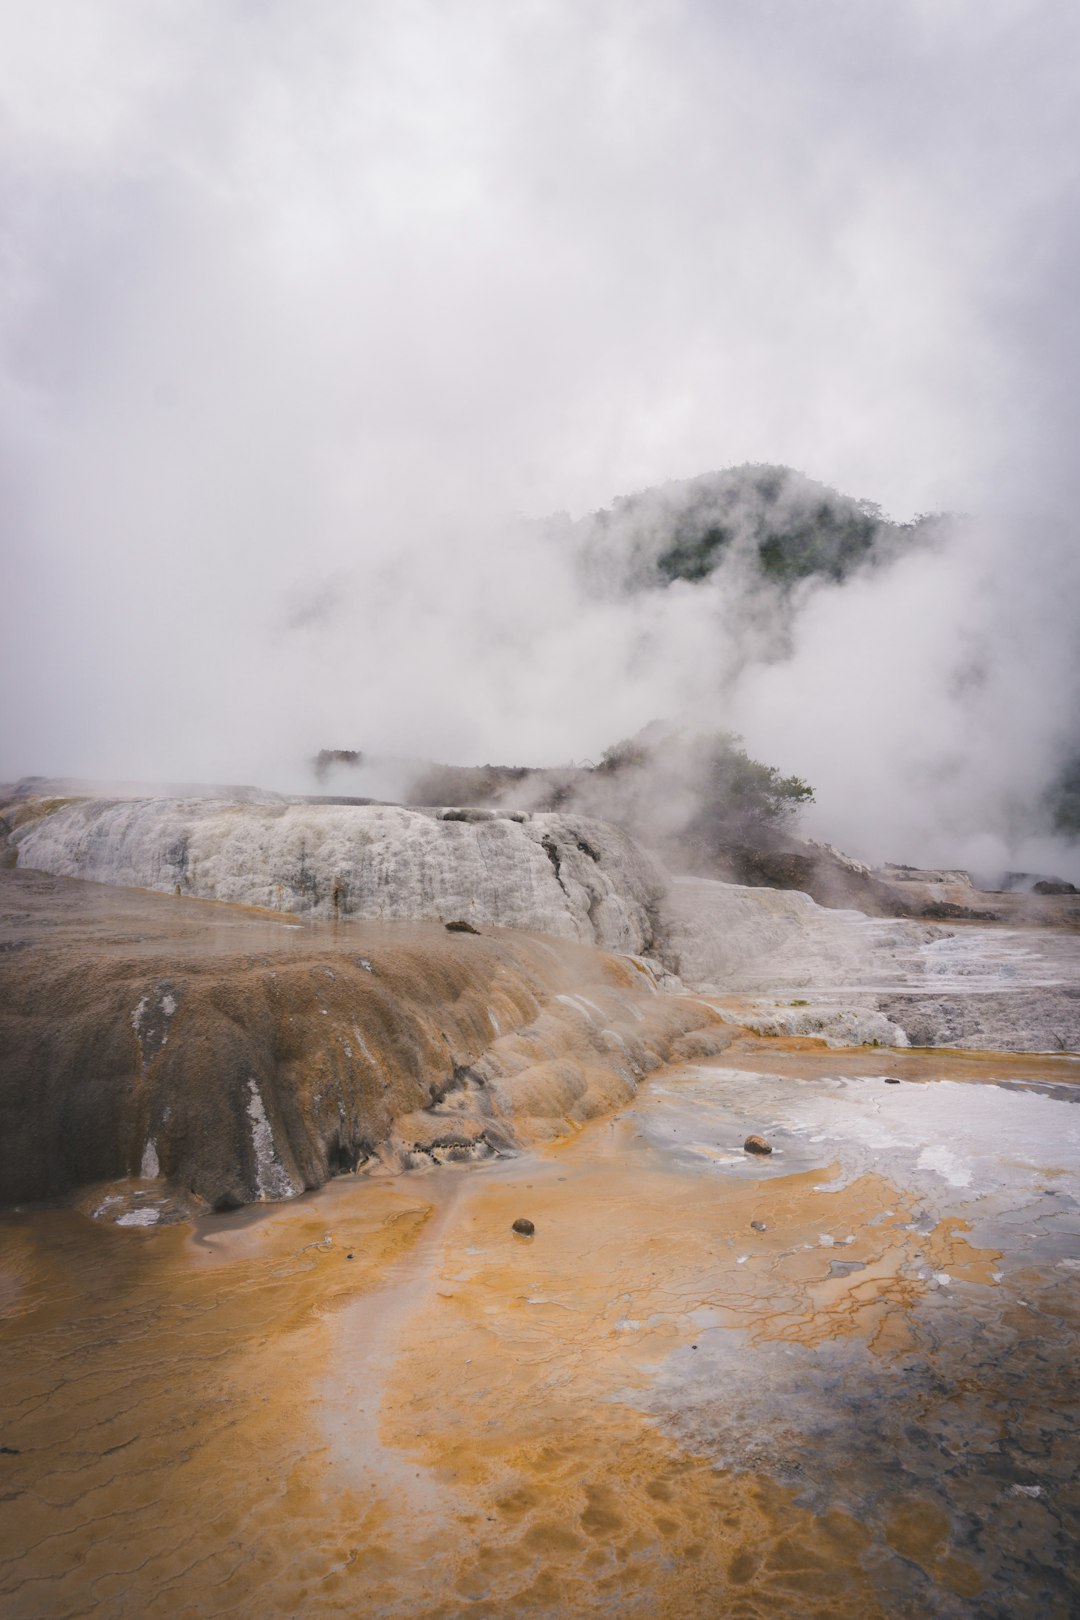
{"x": 242, "y": 1420}
{"x": 919, "y": 1531}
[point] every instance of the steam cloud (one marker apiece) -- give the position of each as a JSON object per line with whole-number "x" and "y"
{"x": 311, "y": 315}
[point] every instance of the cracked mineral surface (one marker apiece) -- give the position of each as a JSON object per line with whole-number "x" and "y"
{"x": 654, "y": 1407}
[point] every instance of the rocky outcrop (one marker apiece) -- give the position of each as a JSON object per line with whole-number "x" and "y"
{"x": 951, "y": 895}
{"x": 831, "y": 878}
{"x": 564, "y": 875}
{"x": 173, "y": 1055}
{"x": 746, "y": 937}
{"x": 798, "y": 968}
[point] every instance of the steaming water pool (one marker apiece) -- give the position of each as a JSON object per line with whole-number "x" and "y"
{"x": 863, "y": 1404}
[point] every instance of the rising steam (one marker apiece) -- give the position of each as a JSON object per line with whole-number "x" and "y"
{"x": 309, "y": 325}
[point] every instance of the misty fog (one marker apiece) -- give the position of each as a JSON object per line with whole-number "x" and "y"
{"x": 314, "y": 320}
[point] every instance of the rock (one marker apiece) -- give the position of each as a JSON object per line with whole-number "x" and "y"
{"x": 467, "y": 814}
{"x": 523, "y": 1227}
{"x": 894, "y": 872}
{"x": 947, "y": 911}
{"x": 756, "y": 1144}
{"x": 779, "y": 940}
{"x": 891, "y": 1080}
{"x": 758, "y": 1226}
{"x": 460, "y": 926}
{"x": 239, "y": 1059}
{"x": 1053, "y": 886}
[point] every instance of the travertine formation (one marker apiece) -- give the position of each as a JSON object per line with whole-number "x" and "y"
{"x": 801, "y": 969}
{"x": 564, "y": 875}
{"x": 214, "y": 1055}
{"x": 203, "y": 1054}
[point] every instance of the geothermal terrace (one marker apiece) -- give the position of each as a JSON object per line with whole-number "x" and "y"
{"x": 271, "y": 1343}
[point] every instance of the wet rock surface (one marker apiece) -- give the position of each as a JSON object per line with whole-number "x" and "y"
{"x": 198, "y": 1055}
{"x": 932, "y": 1380}
{"x": 841, "y": 975}
{"x": 800, "y": 969}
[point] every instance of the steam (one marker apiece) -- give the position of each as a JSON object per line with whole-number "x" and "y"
{"x": 309, "y": 325}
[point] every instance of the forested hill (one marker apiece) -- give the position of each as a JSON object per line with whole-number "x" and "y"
{"x": 783, "y": 525}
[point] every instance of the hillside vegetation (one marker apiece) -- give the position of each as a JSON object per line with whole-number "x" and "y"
{"x": 688, "y": 794}
{"x": 781, "y": 524}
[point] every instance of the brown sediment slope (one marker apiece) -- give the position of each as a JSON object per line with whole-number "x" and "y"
{"x": 211, "y": 1054}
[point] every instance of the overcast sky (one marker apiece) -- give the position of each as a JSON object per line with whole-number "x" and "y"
{"x": 305, "y": 306}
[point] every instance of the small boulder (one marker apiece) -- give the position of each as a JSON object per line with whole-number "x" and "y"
{"x": 891, "y": 1080}
{"x": 523, "y": 1227}
{"x": 756, "y": 1144}
{"x": 759, "y": 1226}
{"x": 460, "y": 926}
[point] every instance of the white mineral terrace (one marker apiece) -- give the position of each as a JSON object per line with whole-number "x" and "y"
{"x": 568, "y": 876}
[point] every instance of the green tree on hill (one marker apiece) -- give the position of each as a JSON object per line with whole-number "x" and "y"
{"x": 786, "y": 526}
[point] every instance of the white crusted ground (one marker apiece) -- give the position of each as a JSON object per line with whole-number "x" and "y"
{"x": 562, "y": 875}
{"x": 855, "y": 979}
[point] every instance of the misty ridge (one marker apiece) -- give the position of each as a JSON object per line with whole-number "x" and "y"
{"x": 770, "y": 520}
{"x": 705, "y": 612}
